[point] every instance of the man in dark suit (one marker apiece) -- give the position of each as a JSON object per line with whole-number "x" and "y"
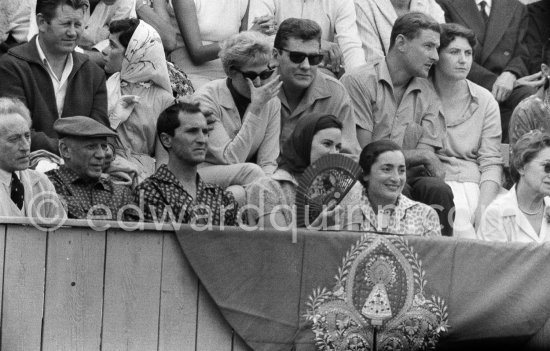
{"x": 501, "y": 57}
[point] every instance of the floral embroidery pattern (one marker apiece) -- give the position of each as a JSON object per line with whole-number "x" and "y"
{"x": 380, "y": 289}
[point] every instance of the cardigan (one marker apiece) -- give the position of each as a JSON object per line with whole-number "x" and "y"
{"x": 25, "y": 77}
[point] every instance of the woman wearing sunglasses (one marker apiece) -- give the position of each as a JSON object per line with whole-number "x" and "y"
{"x": 522, "y": 214}
{"x": 244, "y": 140}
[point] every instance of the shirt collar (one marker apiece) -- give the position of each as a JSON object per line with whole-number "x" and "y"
{"x": 5, "y": 177}
{"x": 68, "y": 176}
{"x": 488, "y": 6}
{"x": 163, "y": 174}
{"x": 44, "y": 60}
{"x": 317, "y": 90}
{"x": 384, "y": 75}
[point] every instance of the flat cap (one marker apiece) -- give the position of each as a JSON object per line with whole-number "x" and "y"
{"x": 81, "y": 126}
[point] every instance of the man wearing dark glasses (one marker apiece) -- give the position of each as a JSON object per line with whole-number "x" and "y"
{"x": 297, "y": 49}
{"x": 392, "y": 99}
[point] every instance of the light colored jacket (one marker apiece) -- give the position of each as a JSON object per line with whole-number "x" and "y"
{"x": 41, "y": 200}
{"x": 234, "y": 140}
{"x": 503, "y": 221}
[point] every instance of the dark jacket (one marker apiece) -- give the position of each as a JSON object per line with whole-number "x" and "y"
{"x": 538, "y": 32}
{"x": 24, "y": 76}
{"x": 501, "y": 44}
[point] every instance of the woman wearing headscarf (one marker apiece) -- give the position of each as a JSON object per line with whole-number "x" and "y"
{"x": 138, "y": 91}
{"x": 315, "y": 135}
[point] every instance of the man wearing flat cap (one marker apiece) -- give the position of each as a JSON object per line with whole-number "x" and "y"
{"x": 80, "y": 183}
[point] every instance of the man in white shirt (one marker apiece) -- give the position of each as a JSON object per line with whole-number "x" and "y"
{"x": 23, "y": 192}
{"x": 50, "y": 78}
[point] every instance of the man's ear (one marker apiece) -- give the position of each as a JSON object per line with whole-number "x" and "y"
{"x": 275, "y": 53}
{"x": 400, "y": 42}
{"x": 166, "y": 140}
{"x": 41, "y": 22}
{"x": 545, "y": 70}
{"x": 64, "y": 149}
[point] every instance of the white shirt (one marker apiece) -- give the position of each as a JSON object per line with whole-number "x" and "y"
{"x": 5, "y": 187}
{"x": 59, "y": 84}
{"x": 487, "y": 7}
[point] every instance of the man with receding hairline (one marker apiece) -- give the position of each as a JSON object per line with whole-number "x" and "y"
{"x": 23, "y": 192}
{"x": 50, "y": 78}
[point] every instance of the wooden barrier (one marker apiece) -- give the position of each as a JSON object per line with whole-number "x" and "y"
{"x": 76, "y": 288}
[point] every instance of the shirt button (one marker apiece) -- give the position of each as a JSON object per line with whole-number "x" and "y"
{"x": 506, "y": 53}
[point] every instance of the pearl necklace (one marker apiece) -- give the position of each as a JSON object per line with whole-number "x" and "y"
{"x": 532, "y": 213}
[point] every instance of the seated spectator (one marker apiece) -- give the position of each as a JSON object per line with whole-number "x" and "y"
{"x": 138, "y": 91}
{"x": 393, "y": 100}
{"x": 200, "y": 26}
{"x": 534, "y": 112}
{"x": 14, "y": 22}
{"x": 538, "y": 32}
{"x": 50, "y": 78}
{"x": 315, "y": 135}
{"x": 522, "y": 214}
{"x": 176, "y": 192}
{"x": 471, "y": 154}
{"x": 375, "y": 19}
{"x": 83, "y": 189}
{"x": 305, "y": 90}
{"x": 502, "y": 57}
{"x": 383, "y": 208}
{"x": 340, "y": 43}
{"x": 96, "y": 21}
{"x": 247, "y": 114}
{"x": 24, "y": 192}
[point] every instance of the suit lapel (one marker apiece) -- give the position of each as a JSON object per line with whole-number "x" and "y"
{"x": 467, "y": 10}
{"x": 502, "y": 12}
{"x": 387, "y": 10}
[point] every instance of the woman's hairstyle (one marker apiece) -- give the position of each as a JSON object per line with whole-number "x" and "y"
{"x": 48, "y": 7}
{"x": 245, "y": 48}
{"x": 9, "y": 105}
{"x": 370, "y": 154}
{"x": 169, "y": 121}
{"x": 296, "y": 152}
{"x": 526, "y": 149}
{"x": 410, "y": 24}
{"x": 126, "y": 27}
{"x": 297, "y": 28}
{"x": 451, "y": 31}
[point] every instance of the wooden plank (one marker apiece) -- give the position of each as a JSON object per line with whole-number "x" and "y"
{"x": 178, "y": 304}
{"x": 239, "y": 344}
{"x": 23, "y": 297}
{"x": 3, "y": 229}
{"x": 132, "y": 291}
{"x": 213, "y": 332}
{"x": 74, "y": 290}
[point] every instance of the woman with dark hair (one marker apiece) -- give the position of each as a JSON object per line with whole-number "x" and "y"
{"x": 521, "y": 214}
{"x": 315, "y": 135}
{"x": 471, "y": 153}
{"x": 137, "y": 92}
{"x": 534, "y": 112}
{"x": 382, "y": 207}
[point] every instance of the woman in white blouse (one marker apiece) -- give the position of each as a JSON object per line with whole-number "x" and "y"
{"x": 522, "y": 214}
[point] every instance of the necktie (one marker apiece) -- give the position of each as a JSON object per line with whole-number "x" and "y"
{"x": 483, "y": 12}
{"x": 17, "y": 191}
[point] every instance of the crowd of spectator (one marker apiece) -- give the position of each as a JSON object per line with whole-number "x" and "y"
{"x": 210, "y": 112}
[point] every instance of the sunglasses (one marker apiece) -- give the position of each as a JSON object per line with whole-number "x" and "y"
{"x": 546, "y": 166}
{"x": 253, "y": 75}
{"x": 299, "y": 57}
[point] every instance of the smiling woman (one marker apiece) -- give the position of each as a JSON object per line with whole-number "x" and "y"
{"x": 383, "y": 208}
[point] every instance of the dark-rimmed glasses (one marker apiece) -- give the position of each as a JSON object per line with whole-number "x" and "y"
{"x": 299, "y": 57}
{"x": 253, "y": 75}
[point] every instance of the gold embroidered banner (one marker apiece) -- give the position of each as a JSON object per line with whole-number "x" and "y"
{"x": 334, "y": 291}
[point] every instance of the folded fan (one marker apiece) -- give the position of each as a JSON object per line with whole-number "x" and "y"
{"x": 324, "y": 183}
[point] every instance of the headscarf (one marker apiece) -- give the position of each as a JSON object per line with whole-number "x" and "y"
{"x": 144, "y": 63}
{"x": 296, "y": 152}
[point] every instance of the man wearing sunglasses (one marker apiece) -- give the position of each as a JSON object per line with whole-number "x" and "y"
{"x": 305, "y": 90}
{"x": 392, "y": 99}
